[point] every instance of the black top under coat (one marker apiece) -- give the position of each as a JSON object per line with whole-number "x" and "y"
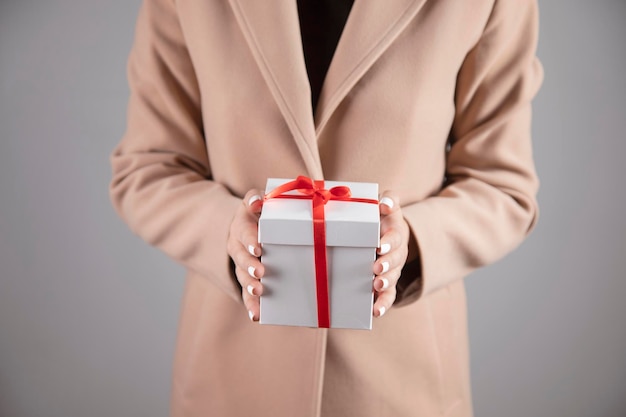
{"x": 321, "y": 24}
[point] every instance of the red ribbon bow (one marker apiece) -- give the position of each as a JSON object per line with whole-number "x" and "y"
{"x": 315, "y": 191}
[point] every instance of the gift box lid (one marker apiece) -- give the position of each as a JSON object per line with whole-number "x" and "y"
{"x": 348, "y": 223}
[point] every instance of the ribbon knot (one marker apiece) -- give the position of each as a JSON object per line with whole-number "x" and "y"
{"x": 315, "y": 189}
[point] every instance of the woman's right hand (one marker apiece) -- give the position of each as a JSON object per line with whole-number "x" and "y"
{"x": 244, "y": 249}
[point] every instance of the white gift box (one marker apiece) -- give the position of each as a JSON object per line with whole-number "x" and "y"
{"x": 287, "y": 238}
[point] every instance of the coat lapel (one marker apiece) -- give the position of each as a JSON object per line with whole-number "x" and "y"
{"x": 272, "y": 30}
{"x": 371, "y": 27}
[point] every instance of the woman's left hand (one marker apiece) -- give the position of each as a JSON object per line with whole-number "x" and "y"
{"x": 392, "y": 254}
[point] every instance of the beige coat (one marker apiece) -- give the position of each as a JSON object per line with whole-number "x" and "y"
{"x": 429, "y": 98}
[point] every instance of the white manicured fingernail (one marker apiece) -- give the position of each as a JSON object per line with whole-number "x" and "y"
{"x": 251, "y": 250}
{"x": 251, "y": 271}
{"x": 385, "y": 283}
{"x": 381, "y": 311}
{"x": 387, "y": 201}
{"x": 385, "y": 267}
{"x": 250, "y": 289}
{"x": 385, "y": 248}
{"x": 254, "y": 199}
{"x": 251, "y": 315}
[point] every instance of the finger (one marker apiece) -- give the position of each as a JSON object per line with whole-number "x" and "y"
{"x": 253, "y": 200}
{"x": 394, "y": 259}
{"x": 384, "y": 302}
{"x": 253, "y": 306}
{"x": 391, "y": 236}
{"x": 244, "y": 249}
{"x": 393, "y": 249}
{"x": 388, "y": 203}
{"x": 388, "y": 280}
{"x": 249, "y": 238}
{"x": 248, "y": 263}
{"x": 251, "y": 302}
{"x": 253, "y": 287}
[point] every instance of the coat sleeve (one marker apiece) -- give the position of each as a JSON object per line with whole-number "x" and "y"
{"x": 488, "y": 202}
{"x": 162, "y": 184}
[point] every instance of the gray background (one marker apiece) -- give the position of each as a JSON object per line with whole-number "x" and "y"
{"x": 88, "y": 312}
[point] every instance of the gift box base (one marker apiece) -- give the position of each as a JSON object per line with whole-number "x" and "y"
{"x": 289, "y": 286}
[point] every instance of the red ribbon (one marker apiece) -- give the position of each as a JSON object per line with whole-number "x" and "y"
{"x": 315, "y": 191}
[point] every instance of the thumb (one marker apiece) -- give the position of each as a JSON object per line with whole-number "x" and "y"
{"x": 389, "y": 203}
{"x": 253, "y": 200}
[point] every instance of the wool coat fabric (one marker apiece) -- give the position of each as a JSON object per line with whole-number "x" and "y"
{"x": 429, "y": 98}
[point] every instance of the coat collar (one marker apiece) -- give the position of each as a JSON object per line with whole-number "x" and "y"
{"x": 272, "y": 30}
